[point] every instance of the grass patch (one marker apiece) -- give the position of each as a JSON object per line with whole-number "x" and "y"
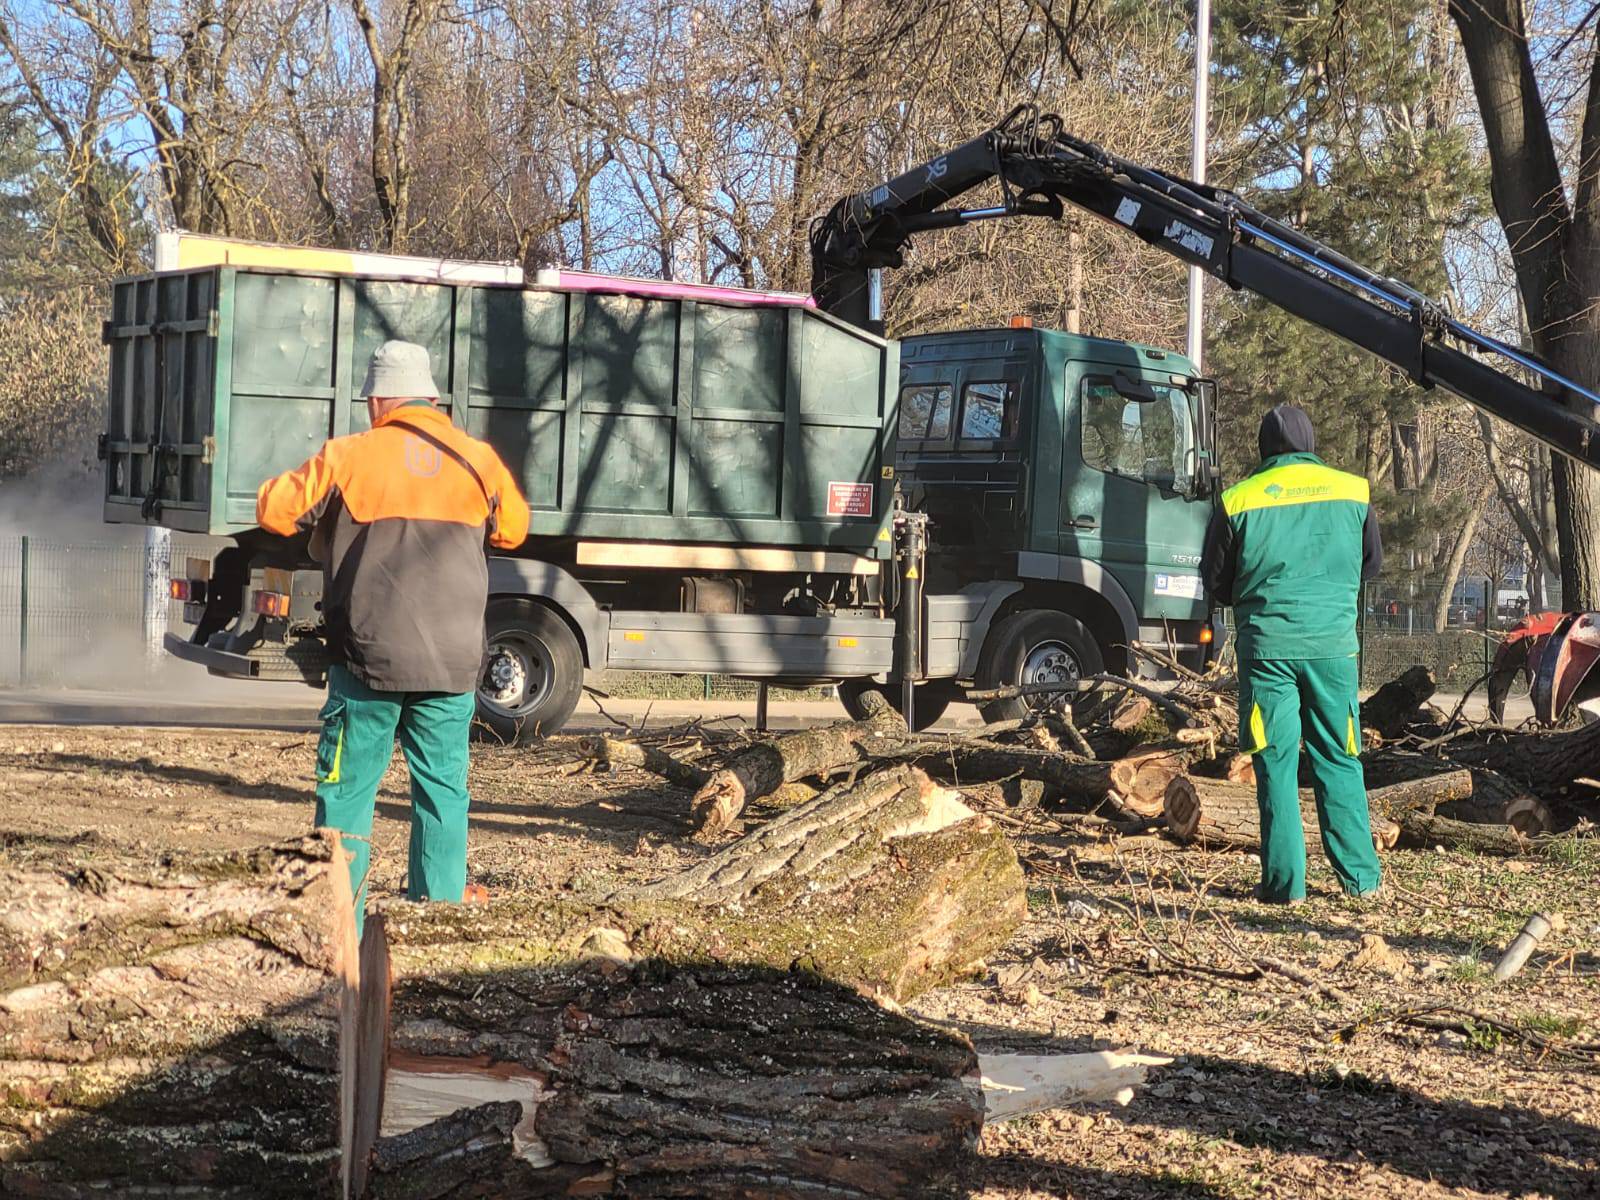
{"x": 1552, "y": 1025}
{"x": 1469, "y": 968}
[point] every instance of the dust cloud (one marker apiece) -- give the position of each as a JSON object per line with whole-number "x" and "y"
{"x": 84, "y": 601}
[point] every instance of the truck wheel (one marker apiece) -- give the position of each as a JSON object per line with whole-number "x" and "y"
{"x": 1039, "y": 645}
{"x": 931, "y": 700}
{"x": 532, "y": 675}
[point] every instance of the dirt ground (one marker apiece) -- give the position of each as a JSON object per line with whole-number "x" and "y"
{"x": 1134, "y": 943}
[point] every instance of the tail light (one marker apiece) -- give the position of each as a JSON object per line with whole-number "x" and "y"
{"x": 1207, "y": 634}
{"x": 190, "y": 591}
{"x": 272, "y": 604}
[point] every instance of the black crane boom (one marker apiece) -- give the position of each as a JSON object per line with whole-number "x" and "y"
{"x": 1039, "y": 166}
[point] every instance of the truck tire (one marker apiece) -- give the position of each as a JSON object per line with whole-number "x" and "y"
{"x": 931, "y": 700}
{"x": 532, "y": 674}
{"x": 1039, "y": 645}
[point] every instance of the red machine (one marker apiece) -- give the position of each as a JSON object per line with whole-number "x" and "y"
{"x": 1557, "y": 651}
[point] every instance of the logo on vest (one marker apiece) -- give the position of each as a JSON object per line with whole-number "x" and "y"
{"x": 422, "y": 460}
{"x": 1278, "y": 492}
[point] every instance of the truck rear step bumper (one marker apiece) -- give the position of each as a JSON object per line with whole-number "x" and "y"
{"x": 218, "y": 662}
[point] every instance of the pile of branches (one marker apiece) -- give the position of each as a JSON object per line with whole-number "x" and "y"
{"x": 1128, "y": 756}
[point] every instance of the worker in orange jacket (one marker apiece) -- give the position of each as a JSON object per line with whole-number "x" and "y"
{"x": 399, "y": 516}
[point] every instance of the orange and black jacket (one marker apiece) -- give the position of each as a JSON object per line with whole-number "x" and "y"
{"x": 399, "y": 524}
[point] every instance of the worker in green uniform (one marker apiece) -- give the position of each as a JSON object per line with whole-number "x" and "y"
{"x": 1288, "y": 548}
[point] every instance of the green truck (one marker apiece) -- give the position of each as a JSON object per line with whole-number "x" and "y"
{"x": 721, "y": 481}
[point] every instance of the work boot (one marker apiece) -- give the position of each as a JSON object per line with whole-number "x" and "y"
{"x": 1293, "y": 902}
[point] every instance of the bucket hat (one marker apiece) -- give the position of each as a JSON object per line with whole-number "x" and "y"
{"x": 399, "y": 369}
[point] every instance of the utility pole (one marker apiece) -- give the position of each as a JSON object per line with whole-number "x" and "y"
{"x": 1197, "y": 171}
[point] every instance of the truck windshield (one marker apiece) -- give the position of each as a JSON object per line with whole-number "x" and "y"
{"x": 1148, "y": 436}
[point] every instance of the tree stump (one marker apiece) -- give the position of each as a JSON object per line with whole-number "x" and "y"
{"x": 183, "y": 1028}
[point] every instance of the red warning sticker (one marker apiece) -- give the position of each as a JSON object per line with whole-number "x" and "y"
{"x": 849, "y": 499}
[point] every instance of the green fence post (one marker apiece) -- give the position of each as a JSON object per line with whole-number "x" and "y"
{"x": 22, "y": 616}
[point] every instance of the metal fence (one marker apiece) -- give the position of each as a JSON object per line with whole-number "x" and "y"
{"x": 1397, "y": 634}
{"x": 72, "y": 613}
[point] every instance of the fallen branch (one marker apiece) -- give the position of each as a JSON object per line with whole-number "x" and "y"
{"x": 1089, "y": 683}
{"x": 633, "y": 754}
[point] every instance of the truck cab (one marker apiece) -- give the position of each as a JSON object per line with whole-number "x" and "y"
{"x": 1080, "y": 467}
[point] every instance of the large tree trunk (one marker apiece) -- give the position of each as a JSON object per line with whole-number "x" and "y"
{"x": 1548, "y": 764}
{"x": 1227, "y": 815}
{"x": 1555, "y": 246}
{"x": 922, "y": 887}
{"x": 659, "y": 1080}
{"x": 1495, "y": 799}
{"x": 184, "y": 1026}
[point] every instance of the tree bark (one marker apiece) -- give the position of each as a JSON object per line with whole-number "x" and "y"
{"x": 189, "y": 1025}
{"x": 1549, "y": 764}
{"x": 767, "y": 766}
{"x": 1394, "y": 706}
{"x": 908, "y": 885}
{"x": 1495, "y": 799}
{"x": 1555, "y": 246}
{"x": 1422, "y": 829}
{"x": 661, "y": 1080}
{"x": 1224, "y": 814}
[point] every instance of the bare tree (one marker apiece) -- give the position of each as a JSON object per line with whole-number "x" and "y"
{"x": 392, "y": 54}
{"x": 1554, "y": 234}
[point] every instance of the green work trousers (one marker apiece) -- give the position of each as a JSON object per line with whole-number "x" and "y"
{"x": 358, "y": 732}
{"x": 1281, "y": 701}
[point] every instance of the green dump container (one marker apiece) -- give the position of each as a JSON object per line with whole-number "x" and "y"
{"x": 628, "y": 410}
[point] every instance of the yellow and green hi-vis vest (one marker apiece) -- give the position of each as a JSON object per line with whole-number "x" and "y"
{"x": 1297, "y": 544}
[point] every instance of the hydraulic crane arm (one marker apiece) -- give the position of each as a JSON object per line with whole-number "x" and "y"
{"x": 1039, "y": 166}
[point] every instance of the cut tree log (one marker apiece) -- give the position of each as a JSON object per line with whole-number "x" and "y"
{"x": 1551, "y": 765}
{"x": 767, "y": 766}
{"x": 1423, "y": 830}
{"x": 1495, "y": 799}
{"x": 891, "y": 884}
{"x": 1228, "y": 815}
{"x": 1078, "y": 782}
{"x": 1237, "y": 767}
{"x": 705, "y": 1081}
{"x": 182, "y": 1028}
{"x": 1141, "y": 776}
{"x": 1394, "y": 706}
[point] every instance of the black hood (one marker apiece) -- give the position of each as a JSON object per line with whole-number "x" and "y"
{"x": 1286, "y": 430}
